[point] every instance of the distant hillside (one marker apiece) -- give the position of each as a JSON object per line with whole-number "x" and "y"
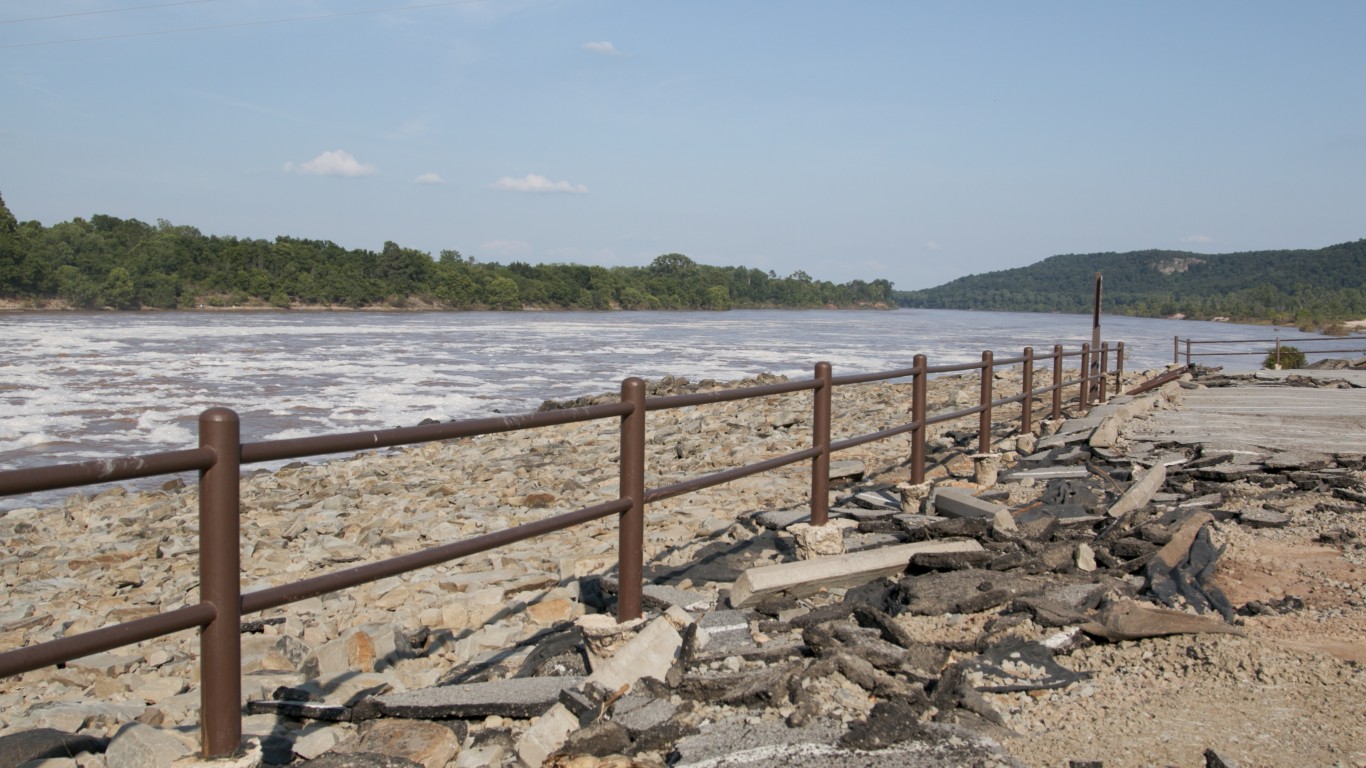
{"x": 1302, "y": 287}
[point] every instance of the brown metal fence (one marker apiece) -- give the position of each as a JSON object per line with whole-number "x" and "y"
{"x": 1315, "y": 345}
{"x": 220, "y": 455}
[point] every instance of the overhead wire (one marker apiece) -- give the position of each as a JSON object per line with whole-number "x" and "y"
{"x": 74, "y": 14}
{"x": 239, "y": 24}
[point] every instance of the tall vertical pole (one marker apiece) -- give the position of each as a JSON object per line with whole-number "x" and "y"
{"x": 1104, "y": 366}
{"x": 1119, "y": 369}
{"x": 1027, "y": 385}
{"x": 984, "y": 418}
{"x": 820, "y": 438}
{"x": 1095, "y": 316}
{"x": 1176, "y": 350}
{"x": 220, "y": 584}
{"x": 1093, "y": 394}
{"x": 1083, "y": 395}
{"x": 1057, "y": 382}
{"x": 919, "y": 387}
{"x": 631, "y": 485}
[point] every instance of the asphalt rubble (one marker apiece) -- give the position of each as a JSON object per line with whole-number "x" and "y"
{"x": 795, "y": 645}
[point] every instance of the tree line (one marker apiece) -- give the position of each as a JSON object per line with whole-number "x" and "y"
{"x": 108, "y": 262}
{"x": 1308, "y": 288}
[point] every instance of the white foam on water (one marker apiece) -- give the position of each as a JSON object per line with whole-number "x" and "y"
{"x": 81, "y": 386}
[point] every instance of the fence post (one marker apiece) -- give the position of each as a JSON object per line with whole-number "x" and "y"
{"x": 919, "y": 385}
{"x": 1188, "y": 352}
{"x": 1119, "y": 368}
{"x": 1176, "y": 350}
{"x": 1027, "y": 385}
{"x": 1082, "y": 401}
{"x": 631, "y": 530}
{"x": 1057, "y": 382}
{"x": 820, "y": 438}
{"x": 220, "y": 584}
{"x": 984, "y": 419}
{"x": 1104, "y": 364}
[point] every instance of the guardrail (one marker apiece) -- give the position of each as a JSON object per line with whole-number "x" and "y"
{"x": 1190, "y": 354}
{"x": 220, "y": 455}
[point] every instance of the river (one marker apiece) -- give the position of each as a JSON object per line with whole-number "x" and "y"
{"x": 77, "y": 386}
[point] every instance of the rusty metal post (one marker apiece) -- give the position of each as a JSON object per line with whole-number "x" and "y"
{"x": 1176, "y": 350}
{"x": 631, "y": 485}
{"x": 1057, "y": 381}
{"x": 919, "y": 385}
{"x": 1104, "y": 366}
{"x": 1027, "y": 389}
{"x": 1119, "y": 368}
{"x": 984, "y": 419}
{"x": 820, "y": 438}
{"x": 220, "y": 584}
{"x": 1095, "y": 315}
{"x": 1083, "y": 403}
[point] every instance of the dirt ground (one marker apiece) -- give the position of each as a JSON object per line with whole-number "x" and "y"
{"x": 1290, "y": 693}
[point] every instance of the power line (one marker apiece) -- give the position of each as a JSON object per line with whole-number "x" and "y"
{"x": 96, "y": 13}
{"x": 260, "y": 23}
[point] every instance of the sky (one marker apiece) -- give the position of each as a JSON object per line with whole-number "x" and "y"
{"x": 916, "y": 141}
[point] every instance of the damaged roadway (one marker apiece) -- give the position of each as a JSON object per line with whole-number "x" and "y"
{"x": 919, "y": 633}
{"x": 822, "y": 665}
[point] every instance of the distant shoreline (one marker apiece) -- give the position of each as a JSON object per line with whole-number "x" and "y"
{"x": 57, "y": 306}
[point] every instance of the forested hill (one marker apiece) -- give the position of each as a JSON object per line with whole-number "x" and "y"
{"x": 1303, "y": 287}
{"x": 127, "y": 264}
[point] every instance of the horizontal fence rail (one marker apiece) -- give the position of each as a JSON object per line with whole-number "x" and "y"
{"x": 1184, "y": 351}
{"x": 221, "y": 454}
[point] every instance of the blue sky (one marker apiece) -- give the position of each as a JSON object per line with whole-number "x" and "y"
{"x": 915, "y": 141}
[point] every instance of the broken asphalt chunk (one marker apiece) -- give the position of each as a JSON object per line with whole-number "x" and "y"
{"x": 1128, "y": 620}
{"x": 1016, "y": 664}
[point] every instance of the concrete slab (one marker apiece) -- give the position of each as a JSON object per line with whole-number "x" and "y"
{"x": 1140, "y": 493}
{"x": 1049, "y": 473}
{"x": 1275, "y": 418}
{"x": 516, "y": 697}
{"x": 807, "y": 577}
{"x": 955, "y": 502}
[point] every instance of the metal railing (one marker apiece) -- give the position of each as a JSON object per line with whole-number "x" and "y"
{"x": 221, "y": 454}
{"x": 1190, "y": 353}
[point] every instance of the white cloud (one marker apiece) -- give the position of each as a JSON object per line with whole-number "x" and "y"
{"x": 603, "y": 48}
{"x": 1197, "y": 239}
{"x": 338, "y": 162}
{"x": 505, "y": 246}
{"x": 535, "y": 183}
{"x": 429, "y": 178}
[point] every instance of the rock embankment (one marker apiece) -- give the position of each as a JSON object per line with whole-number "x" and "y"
{"x": 1042, "y": 584}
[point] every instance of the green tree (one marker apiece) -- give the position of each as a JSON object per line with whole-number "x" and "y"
{"x": 157, "y": 290}
{"x": 717, "y": 298}
{"x": 502, "y": 293}
{"x": 117, "y": 290}
{"x": 77, "y": 289}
